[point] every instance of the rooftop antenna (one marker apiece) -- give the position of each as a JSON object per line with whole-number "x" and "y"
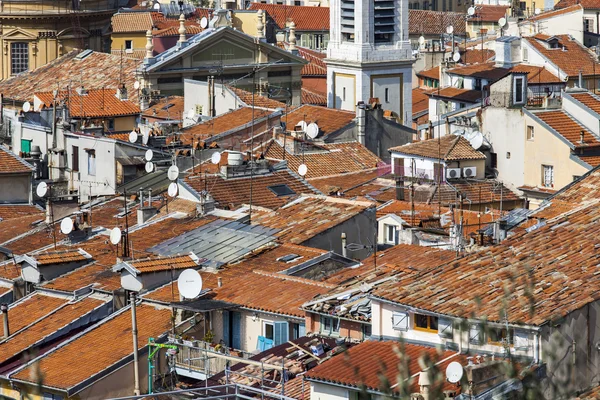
{"x": 44, "y": 190}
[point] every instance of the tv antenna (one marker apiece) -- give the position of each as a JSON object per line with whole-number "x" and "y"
{"x": 189, "y": 284}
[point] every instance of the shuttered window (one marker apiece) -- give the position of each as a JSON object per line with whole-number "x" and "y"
{"x": 400, "y": 321}
{"x": 445, "y": 327}
{"x": 475, "y": 334}
{"x": 281, "y": 332}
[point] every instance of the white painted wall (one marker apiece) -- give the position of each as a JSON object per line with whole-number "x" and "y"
{"x": 556, "y": 25}
{"x": 196, "y": 93}
{"x": 424, "y": 167}
{"x": 581, "y": 113}
{"x": 322, "y": 391}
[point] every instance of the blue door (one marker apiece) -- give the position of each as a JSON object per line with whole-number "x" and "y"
{"x": 236, "y": 330}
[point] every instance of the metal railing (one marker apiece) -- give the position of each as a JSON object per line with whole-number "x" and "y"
{"x": 236, "y": 391}
{"x": 200, "y": 357}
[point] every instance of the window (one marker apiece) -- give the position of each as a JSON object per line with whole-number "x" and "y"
{"x": 268, "y": 330}
{"x": 588, "y": 25}
{"x": 387, "y": 95}
{"x": 129, "y": 45}
{"x": 500, "y": 336}
{"x": 51, "y": 396}
{"x": 508, "y": 154}
{"x": 477, "y": 84}
{"x": 390, "y": 234}
{"x": 547, "y": 176}
{"x": 330, "y": 326}
{"x": 75, "y": 158}
{"x": 494, "y": 160}
{"x": 19, "y": 57}
{"x": 25, "y": 146}
{"x": 344, "y": 94}
{"x": 297, "y": 3}
{"x": 525, "y": 54}
{"x": 400, "y": 321}
{"x": 530, "y": 132}
{"x": 298, "y": 330}
{"x": 92, "y": 163}
{"x": 519, "y": 86}
{"x": 462, "y": 105}
{"x": 426, "y": 323}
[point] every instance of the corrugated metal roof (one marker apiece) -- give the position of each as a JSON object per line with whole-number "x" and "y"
{"x": 220, "y": 241}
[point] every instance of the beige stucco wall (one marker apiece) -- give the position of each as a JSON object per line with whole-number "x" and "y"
{"x": 118, "y": 40}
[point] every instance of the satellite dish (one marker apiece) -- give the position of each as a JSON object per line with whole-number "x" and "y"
{"x": 454, "y": 372}
{"x": 421, "y": 40}
{"x": 476, "y": 140}
{"x": 41, "y": 189}
{"x": 149, "y": 154}
{"x": 302, "y": 125}
{"x": 449, "y": 29}
{"x": 204, "y": 22}
{"x": 215, "y": 158}
{"x": 115, "y": 235}
{"x": 189, "y": 284}
{"x": 302, "y": 169}
{"x": 502, "y": 22}
{"x": 26, "y": 106}
{"x": 136, "y": 85}
{"x": 172, "y": 191}
{"x": 156, "y": 6}
{"x": 537, "y": 11}
{"x": 173, "y": 172}
{"x": 191, "y": 114}
{"x": 145, "y": 137}
{"x": 471, "y": 11}
{"x": 149, "y": 167}
{"x": 132, "y": 136}
{"x": 66, "y": 226}
{"x": 456, "y": 56}
{"x": 312, "y": 130}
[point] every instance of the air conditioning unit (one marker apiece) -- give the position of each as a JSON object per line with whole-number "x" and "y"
{"x": 469, "y": 172}
{"x": 453, "y": 173}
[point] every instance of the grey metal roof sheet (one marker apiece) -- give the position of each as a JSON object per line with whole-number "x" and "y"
{"x": 220, "y": 241}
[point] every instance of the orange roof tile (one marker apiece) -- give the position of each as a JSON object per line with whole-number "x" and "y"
{"x": 190, "y": 29}
{"x": 95, "y": 71}
{"x": 329, "y": 120}
{"x": 489, "y": 13}
{"x": 316, "y": 66}
{"x": 306, "y": 18}
{"x": 59, "y": 257}
{"x": 259, "y": 101}
{"x": 10, "y": 163}
{"x": 59, "y": 370}
{"x": 310, "y": 215}
{"x": 588, "y": 99}
{"x": 426, "y": 22}
{"x": 536, "y": 75}
{"x": 155, "y": 264}
{"x": 448, "y": 147}
{"x": 569, "y": 128}
{"x": 323, "y": 159}
{"x": 46, "y": 326}
{"x": 469, "y": 96}
{"x": 330, "y": 185}
{"x": 96, "y": 103}
{"x": 486, "y": 70}
{"x": 10, "y": 211}
{"x": 420, "y": 101}
{"x": 586, "y": 4}
{"x": 593, "y": 161}
{"x": 126, "y": 22}
{"x": 472, "y": 56}
{"x": 30, "y": 309}
{"x": 315, "y": 99}
{"x": 556, "y": 12}
{"x": 169, "y": 108}
{"x": 433, "y": 73}
{"x": 573, "y": 59}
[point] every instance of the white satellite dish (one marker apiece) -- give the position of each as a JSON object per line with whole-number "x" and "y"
{"x": 476, "y": 140}
{"x": 115, "y": 235}
{"x": 191, "y": 114}
{"x": 172, "y": 191}
{"x": 215, "y": 158}
{"x": 537, "y": 11}
{"x": 421, "y": 40}
{"x": 189, "y": 284}
{"x": 136, "y": 85}
{"x": 149, "y": 167}
{"x": 449, "y": 29}
{"x": 502, "y": 22}
{"x": 173, "y": 172}
{"x": 456, "y": 56}
{"x": 312, "y": 130}
{"x": 145, "y": 136}
{"x": 303, "y": 125}
{"x": 41, "y": 189}
{"x": 204, "y": 22}
{"x": 26, "y": 106}
{"x": 302, "y": 169}
{"x": 454, "y": 372}
{"x": 156, "y": 6}
{"x": 149, "y": 154}
{"x": 471, "y": 11}
{"x": 66, "y": 226}
{"x": 132, "y": 136}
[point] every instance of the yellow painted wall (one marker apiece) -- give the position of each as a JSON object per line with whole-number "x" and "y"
{"x": 547, "y": 149}
{"x": 246, "y": 22}
{"x": 118, "y": 40}
{"x": 125, "y": 123}
{"x": 474, "y": 26}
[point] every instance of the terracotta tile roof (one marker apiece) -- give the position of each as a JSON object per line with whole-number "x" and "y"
{"x": 478, "y": 192}
{"x": 310, "y": 215}
{"x": 125, "y": 22}
{"x": 448, "y": 147}
{"x": 95, "y": 71}
{"x": 59, "y": 370}
{"x": 330, "y": 185}
{"x": 232, "y": 193}
{"x": 259, "y": 101}
{"x": 30, "y": 309}
{"x": 135, "y": 54}
{"x": 59, "y": 257}
{"x": 323, "y": 159}
{"x": 556, "y": 12}
{"x": 10, "y": 211}
{"x": 420, "y": 101}
{"x": 426, "y": 22}
{"x": 574, "y": 58}
{"x": 593, "y": 161}
{"x": 371, "y": 361}
{"x": 169, "y": 108}
{"x": 12, "y": 228}
{"x": 317, "y": 84}
{"x": 296, "y": 388}
{"x": 472, "y": 56}
{"x": 489, "y": 13}
{"x": 48, "y": 325}
{"x": 469, "y": 96}
{"x": 487, "y": 70}
{"x": 433, "y": 73}
{"x": 536, "y": 75}
{"x": 378, "y": 191}
{"x": 155, "y": 264}
{"x": 586, "y": 4}
{"x": 592, "y": 394}
{"x": 329, "y": 120}
{"x": 306, "y": 18}
{"x": 315, "y": 99}
{"x": 97, "y": 103}
{"x": 190, "y": 29}
{"x": 10, "y": 163}
{"x": 569, "y": 128}
{"x": 588, "y": 99}
{"x": 316, "y": 66}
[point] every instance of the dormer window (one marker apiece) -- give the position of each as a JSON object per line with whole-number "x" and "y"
{"x": 553, "y": 44}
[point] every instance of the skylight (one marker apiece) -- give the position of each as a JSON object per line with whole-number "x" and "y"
{"x": 281, "y": 190}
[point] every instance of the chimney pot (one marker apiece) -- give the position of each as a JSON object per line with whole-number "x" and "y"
{"x": 220, "y": 282}
{"x": 4, "y": 310}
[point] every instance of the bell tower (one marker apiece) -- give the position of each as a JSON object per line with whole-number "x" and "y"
{"x": 369, "y": 55}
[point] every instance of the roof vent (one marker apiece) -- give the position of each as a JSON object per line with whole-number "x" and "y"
{"x": 81, "y": 91}
{"x": 288, "y": 258}
{"x": 83, "y": 54}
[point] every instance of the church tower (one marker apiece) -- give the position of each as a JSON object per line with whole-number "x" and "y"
{"x": 369, "y": 55}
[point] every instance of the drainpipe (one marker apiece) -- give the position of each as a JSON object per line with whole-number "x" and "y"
{"x": 4, "y": 309}
{"x": 597, "y": 22}
{"x": 536, "y": 350}
{"x": 134, "y": 332}
{"x": 344, "y": 253}
{"x": 361, "y": 116}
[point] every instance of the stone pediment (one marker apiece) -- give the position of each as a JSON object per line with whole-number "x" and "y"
{"x": 19, "y": 34}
